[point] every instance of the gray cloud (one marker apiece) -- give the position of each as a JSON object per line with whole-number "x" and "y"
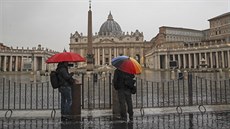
{"x": 50, "y": 22}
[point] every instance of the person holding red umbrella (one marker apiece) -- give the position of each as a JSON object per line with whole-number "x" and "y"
{"x": 66, "y": 82}
{"x": 65, "y": 78}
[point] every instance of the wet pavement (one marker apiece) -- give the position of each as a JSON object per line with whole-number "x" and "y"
{"x": 207, "y": 117}
{"x": 194, "y": 117}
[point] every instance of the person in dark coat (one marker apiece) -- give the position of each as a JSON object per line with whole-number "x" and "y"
{"x": 66, "y": 82}
{"x": 124, "y": 94}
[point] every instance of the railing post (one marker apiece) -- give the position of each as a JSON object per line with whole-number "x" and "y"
{"x": 76, "y": 101}
{"x": 3, "y": 94}
{"x": 190, "y": 99}
{"x": 190, "y": 94}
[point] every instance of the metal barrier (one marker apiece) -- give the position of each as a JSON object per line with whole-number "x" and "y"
{"x": 172, "y": 93}
{"x": 28, "y": 96}
{"x": 96, "y": 93}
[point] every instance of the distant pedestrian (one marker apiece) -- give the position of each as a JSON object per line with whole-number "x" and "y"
{"x": 124, "y": 94}
{"x": 66, "y": 82}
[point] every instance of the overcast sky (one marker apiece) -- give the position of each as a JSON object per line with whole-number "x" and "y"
{"x": 27, "y": 23}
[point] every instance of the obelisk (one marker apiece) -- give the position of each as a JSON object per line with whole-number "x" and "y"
{"x": 90, "y": 39}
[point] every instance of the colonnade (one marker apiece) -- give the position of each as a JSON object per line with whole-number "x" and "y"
{"x": 21, "y": 63}
{"x": 27, "y": 60}
{"x": 11, "y": 63}
{"x": 193, "y": 58}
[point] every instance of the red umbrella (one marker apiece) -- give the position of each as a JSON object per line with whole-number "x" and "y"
{"x": 65, "y": 57}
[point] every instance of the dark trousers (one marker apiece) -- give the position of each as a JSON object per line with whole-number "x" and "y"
{"x": 125, "y": 97}
{"x": 66, "y": 100}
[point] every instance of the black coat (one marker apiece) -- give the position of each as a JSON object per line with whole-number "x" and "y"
{"x": 118, "y": 79}
{"x": 65, "y": 78}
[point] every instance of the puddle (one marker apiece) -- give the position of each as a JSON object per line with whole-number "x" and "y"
{"x": 210, "y": 120}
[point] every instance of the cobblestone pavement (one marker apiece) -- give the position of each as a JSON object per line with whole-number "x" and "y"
{"x": 166, "y": 120}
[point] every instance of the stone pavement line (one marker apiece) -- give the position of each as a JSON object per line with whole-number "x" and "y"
{"x": 108, "y": 112}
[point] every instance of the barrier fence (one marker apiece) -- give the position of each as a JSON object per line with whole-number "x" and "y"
{"x": 97, "y": 93}
{"x": 200, "y": 91}
{"x": 28, "y": 96}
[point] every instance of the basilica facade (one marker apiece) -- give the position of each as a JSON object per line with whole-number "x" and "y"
{"x": 188, "y": 48}
{"x": 110, "y": 42}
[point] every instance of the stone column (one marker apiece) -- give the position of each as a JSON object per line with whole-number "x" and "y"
{"x": 195, "y": 60}
{"x": 103, "y": 56}
{"x": 98, "y": 56}
{"x": 205, "y": 56}
{"x": 199, "y": 59}
{"x": 166, "y": 61}
{"x": 228, "y": 59}
{"x": 124, "y": 51}
{"x": 211, "y": 61}
{"x": 184, "y": 59}
{"x": 132, "y": 52}
{"x": 117, "y": 51}
{"x": 173, "y": 57}
{"x": 10, "y": 61}
{"x": 114, "y": 52}
{"x": 4, "y": 63}
{"x": 34, "y": 63}
{"x": 95, "y": 56}
{"x": 153, "y": 62}
{"x": 223, "y": 61}
{"x": 158, "y": 61}
{"x": 22, "y": 66}
{"x": 217, "y": 60}
{"x": 16, "y": 63}
{"x": 110, "y": 56}
{"x": 43, "y": 63}
{"x": 179, "y": 61}
{"x": 189, "y": 60}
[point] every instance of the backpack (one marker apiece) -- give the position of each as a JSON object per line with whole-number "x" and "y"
{"x": 54, "y": 79}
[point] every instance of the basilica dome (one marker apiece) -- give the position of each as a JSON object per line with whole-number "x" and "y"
{"x": 110, "y": 27}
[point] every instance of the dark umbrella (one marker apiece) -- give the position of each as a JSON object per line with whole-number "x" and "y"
{"x": 65, "y": 57}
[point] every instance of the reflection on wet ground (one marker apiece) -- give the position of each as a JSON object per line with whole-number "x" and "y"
{"x": 208, "y": 120}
